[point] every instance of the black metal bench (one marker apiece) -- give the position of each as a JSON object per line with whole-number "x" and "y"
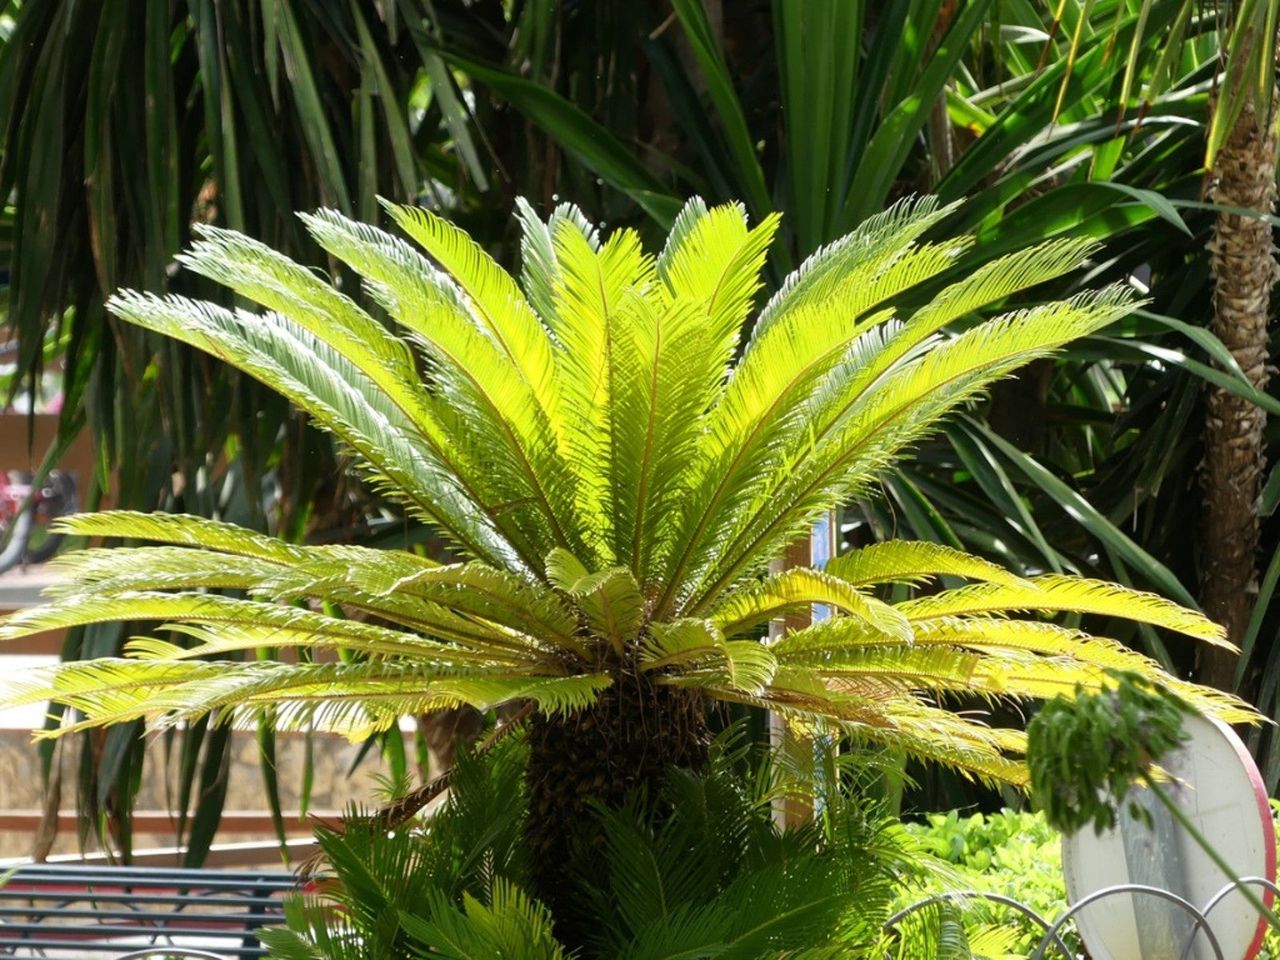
{"x": 77, "y": 911}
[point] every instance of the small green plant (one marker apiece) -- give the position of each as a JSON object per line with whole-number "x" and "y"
{"x": 711, "y": 876}
{"x": 1085, "y": 752}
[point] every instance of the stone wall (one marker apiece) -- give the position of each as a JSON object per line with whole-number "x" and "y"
{"x": 332, "y": 789}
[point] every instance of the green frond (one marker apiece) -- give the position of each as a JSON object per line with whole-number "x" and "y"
{"x": 514, "y": 654}
{"x": 1040, "y": 678}
{"x": 495, "y": 412}
{"x": 913, "y": 562}
{"x": 539, "y": 268}
{"x": 594, "y": 296}
{"x": 695, "y": 653}
{"x": 801, "y": 336}
{"x": 352, "y": 577}
{"x": 270, "y": 279}
{"x": 716, "y": 263}
{"x": 109, "y": 571}
{"x": 1226, "y": 707}
{"x": 498, "y": 305}
{"x": 799, "y": 588}
{"x": 1032, "y": 636}
{"x": 179, "y": 528}
{"x": 511, "y": 926}
{"x": 477, "y": 590}
{"x": 610, "y": 598}
{"x": 1058, "y": 593}
{"x": 997, "y": 280}
{"x": 289, "y": 290}
{"x": 422, "y": 474}
{"x": 294, "y": 626}
{"x": 862, "y": 430}
{"x": 994, "y": 657}
{"x": 876, "y": 242}
{"x": 659, "y": 404}
{"x": 355, "y": 699}
{"x": 900, "y": 721}
{"x": 693, "y": 211}
{"x": 680, "y": 641}
{"x": 901, "y": 669}
{"x": 748, "y": 430}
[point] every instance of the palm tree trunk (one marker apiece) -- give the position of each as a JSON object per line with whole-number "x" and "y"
{"x": 627, "y": 741}
{"x": 1242, "y": 259}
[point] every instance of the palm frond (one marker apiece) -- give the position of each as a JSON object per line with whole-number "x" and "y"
{"x": 776, "y": 595}
{"x": 913, "y": 562}
{"x": 539, "y": 267}
{"x": 500, "y": 311}
{"x": 499, "y": 306}
{"x": 657, "y": 421}
{"x": 340, "y": 398}
{"x": 716, "y": 262}
{"x": 610, "y": 598}
{"x": 695, "y": 653}
{"x": 594, "y": 301}
{"x": 511, "y": 926}
{"x": 109, "y": 571}
{"x": 355, "y": 699}
{"x": 877, "y": 241}
{"x": 900, "y": 721}
{"x": 864, "y": 426}
{"x": 477, "y": 590}
{"x": 179, "y": 528}
{"x": 270, "y": 279}
{"x": 292, "y": 626}
{"x": 1058, "y": 593}
{"x": 494, "y": 411}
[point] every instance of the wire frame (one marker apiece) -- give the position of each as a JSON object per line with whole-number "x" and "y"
{"x": 1053, "y": 931}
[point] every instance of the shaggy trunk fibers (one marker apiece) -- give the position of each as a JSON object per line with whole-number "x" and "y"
{"x": 1244, "y": 271}
{"x": 628, "y": 739}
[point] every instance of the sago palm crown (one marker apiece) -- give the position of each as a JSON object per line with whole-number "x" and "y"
{"x": 615, "y": 467}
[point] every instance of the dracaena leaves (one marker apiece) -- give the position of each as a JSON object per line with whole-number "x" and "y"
{"x": 616, "y": 465}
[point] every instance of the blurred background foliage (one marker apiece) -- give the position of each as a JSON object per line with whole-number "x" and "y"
{"x": 123, "y": 122}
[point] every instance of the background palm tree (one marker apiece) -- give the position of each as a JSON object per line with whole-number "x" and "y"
{"x": 1243, "y": 263}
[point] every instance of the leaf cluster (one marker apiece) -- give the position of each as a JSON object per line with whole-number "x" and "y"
{"x": 711, "y": 877}
{"x": 1086, "y": 751}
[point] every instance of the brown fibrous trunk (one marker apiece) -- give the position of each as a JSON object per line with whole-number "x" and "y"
{"x": 627, "y": 741}
{"x": 1242, "y": 260}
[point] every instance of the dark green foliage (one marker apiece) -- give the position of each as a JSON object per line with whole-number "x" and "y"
{"x": 376, "y": 878}
{"x": 1085, "y": 751}
{"x": 709, "y": 876}
{"x": 122, "y": 124}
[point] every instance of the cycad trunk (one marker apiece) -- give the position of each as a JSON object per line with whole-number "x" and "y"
{"x": 1244, "y": 271}
{"x": 634, "y": 733}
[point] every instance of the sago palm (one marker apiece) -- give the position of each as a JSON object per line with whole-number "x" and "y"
{"x": 616, "y": 468}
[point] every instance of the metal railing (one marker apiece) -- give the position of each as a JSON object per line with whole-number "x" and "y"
{"x": 1201, "y": 929}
